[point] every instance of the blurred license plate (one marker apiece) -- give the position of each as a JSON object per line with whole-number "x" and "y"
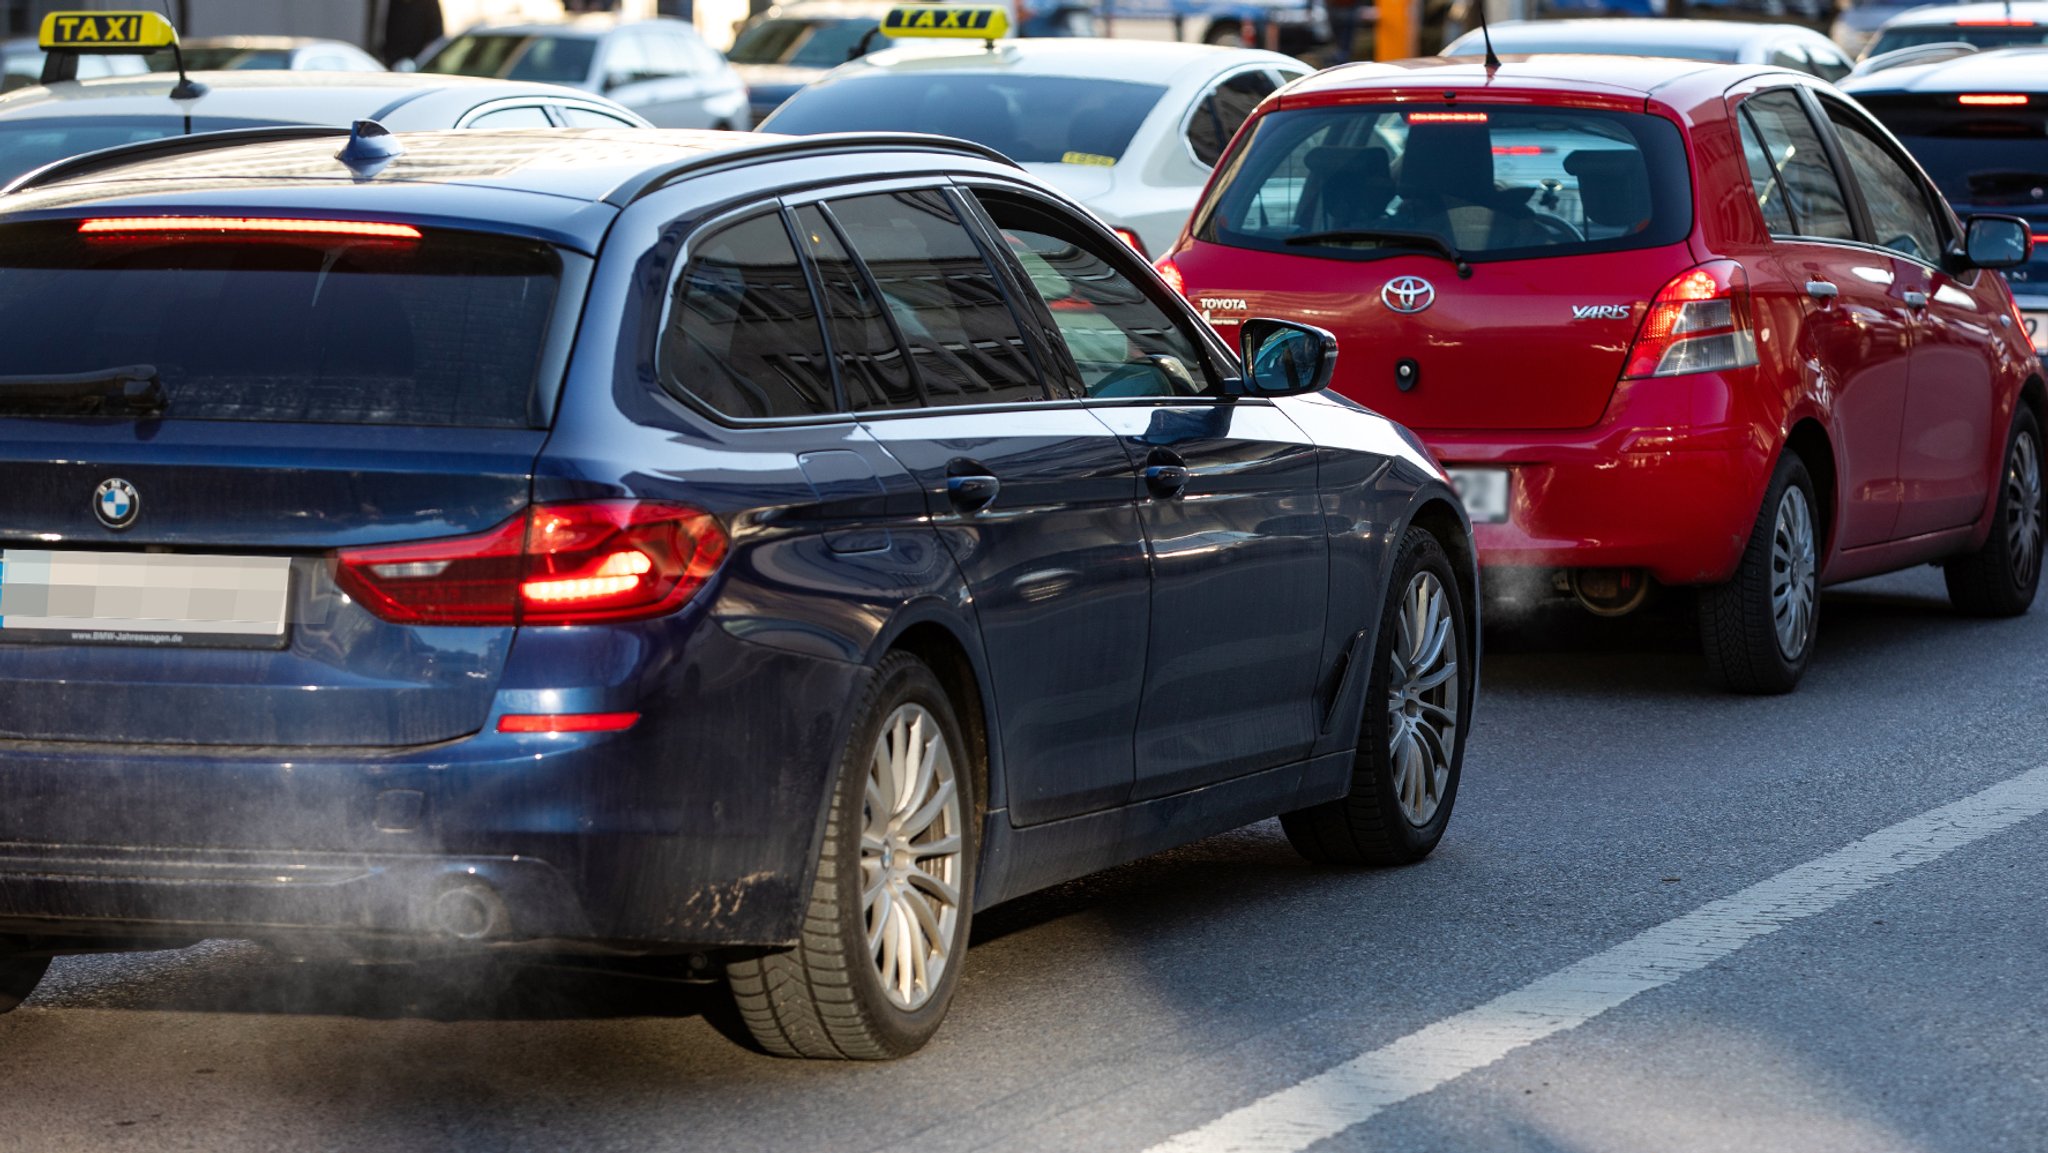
{"x": 2037, "y": 329}
{"x": 1484, "y": 491}
{"x": 152, "y": 599}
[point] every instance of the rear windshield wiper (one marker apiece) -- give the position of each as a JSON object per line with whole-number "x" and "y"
{"x": 131, "y": 390}
{"x": 1389, "y": 238}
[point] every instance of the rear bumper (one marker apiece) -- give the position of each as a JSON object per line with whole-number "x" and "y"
{"x": 695, "y": 828}
{"x": 1649, "y": 487}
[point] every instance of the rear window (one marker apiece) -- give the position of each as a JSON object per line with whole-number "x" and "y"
{"x": 1032, "y": 119}
{"x": 1363, "y": 181}
{"x": 1988, "y": 157}
{"x": 1983, "y": 36}
{"x": 29, "y": 144}
{"x": 552, "y": 59}
{"x": 443, "y": 331}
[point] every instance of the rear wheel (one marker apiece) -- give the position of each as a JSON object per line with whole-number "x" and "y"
{"x": 18, "y": 978}
{"x": 1412, "y": 742}
{"x": 2000, "y": 579}
{"x": 1758, "y": 629}
{"x": 888, "y": 917}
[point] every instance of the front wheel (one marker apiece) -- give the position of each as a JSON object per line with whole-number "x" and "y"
{"x": 888, "y": 918}
{"x": 1999, "y": 579}
{"x": 1758, "y": 629}
{"x": 1412, "y": 741}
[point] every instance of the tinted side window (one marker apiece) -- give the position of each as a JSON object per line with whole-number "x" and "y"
{"x": 1122, "y": 341}
{"x": 1223, "y": 111}
{"x": 1793, "y": 147}
{"x": 742, "y": 334}
{"x": 1897, "y": 202}
{"x": 1763, "y": 180}
{"x": 943, "y": 297}
{"x": 872, "y": 369}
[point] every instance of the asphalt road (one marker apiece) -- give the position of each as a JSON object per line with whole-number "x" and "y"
{"x": 1608, "y": 791}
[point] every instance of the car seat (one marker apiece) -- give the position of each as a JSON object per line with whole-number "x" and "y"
{"x": 1347, "y": 187}
{"x": 1614, "y": 188}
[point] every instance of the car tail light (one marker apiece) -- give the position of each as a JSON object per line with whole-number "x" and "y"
{"x": 567, "y": 722}
{"x": 1996, "y": 22}
{"x": 1992, "y": 99}
{"x": 1170, "y": 273}
{"x": 136, "y": 227}
{"x": 1447, "y": 118}
{"x": 554, "y": 564}
{"x": 1700, "y": 322}
{"x": 1131, "y": 238}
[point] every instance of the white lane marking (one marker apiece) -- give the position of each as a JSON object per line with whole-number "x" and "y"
{"x": 1330, "y": 1102}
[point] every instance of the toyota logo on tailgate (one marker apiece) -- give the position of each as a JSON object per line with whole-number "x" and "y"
{"x": 1408, "y": 294}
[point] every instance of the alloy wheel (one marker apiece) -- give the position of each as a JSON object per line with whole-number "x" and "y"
{"x": 1422, "y": 699}
{"x": 911, "y": 859}
{"x": 2023, "y": 508}
{"x": 1793, "y": 568}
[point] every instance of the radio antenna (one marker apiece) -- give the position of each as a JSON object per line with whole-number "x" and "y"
{"x": 1493, "y": 61}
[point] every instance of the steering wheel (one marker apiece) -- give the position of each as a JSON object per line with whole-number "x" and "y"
{"x": 1557, "y": 226}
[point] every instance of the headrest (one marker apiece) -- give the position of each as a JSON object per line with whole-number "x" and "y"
{"x": 1614, "y": 185}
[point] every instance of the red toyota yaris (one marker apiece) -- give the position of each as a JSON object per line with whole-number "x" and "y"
{"x": 1699, "y": 324}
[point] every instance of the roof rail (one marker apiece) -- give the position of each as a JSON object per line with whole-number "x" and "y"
{"x": 161, "y": 147}
{"x": 653, "y": 180}
{"x": 1917, "y": 54}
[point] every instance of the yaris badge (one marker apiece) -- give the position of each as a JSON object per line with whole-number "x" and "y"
{"x": 116, "y": 502}
{"x": 1408, "y": 294}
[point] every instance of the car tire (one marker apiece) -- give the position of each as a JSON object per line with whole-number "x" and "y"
{"x": 887, "y": 924}
{"x": 2000, "y": 578}
{"x": 1758, "y": 629}
{"x": 18, "y": 978}
{"x": 1411, "y": 746}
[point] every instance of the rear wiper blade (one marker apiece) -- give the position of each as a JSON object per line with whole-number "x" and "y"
{"x": 1390, "y": 238}
{"x": 129, "y": 390}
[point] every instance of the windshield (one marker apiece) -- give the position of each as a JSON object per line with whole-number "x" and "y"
{"x": 445, "y": 330}
{"x": 1500, "y": 183}
{"x": 1983, "y": 159}
{"x": 1030, "y": 119}
{"x": 1983, "y": 36}
{"x": 224, "y": 59}
{"x": 804, "y": 43}
{"x": 551, "y": 59}
{"x": 26, "y": 145}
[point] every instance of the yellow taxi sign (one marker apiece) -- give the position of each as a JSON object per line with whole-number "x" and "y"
{"x": 942, "y": 21}
{"x": 110, "y": 33}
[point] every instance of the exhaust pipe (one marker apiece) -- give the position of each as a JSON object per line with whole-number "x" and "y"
{"x": 1609, "y": 592}
{"x": 470, "y": 911}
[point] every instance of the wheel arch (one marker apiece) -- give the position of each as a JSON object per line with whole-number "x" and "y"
{"x": 945, "y": 653}
{"x": 1809, "y": 440}
{"x": 1443, "y": 520}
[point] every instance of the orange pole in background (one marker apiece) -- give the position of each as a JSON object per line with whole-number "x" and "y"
{"x": 1394, "y": 36}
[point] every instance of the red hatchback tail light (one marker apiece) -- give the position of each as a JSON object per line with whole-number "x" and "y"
{"x": 555, "y": 564}
{"x": 1700, "y": 322}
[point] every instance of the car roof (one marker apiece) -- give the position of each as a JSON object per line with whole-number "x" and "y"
{"x": 590, "y": 26}
{"x": 2006, "y": 69}
{"x": 256, "y": 43}
{"x": 2021, "y": 11}
{"x": 560, "y": 184}
{"x": 1625, "y": 76}
{"x": 829, "y": 10}
{"x": 284, "y": 97}
{"x": 1143, "y": 61}
{"x": 1542, "y": 35}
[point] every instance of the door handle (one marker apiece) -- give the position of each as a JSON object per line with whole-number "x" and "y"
{"x": 1822, "y": 290}
{"x": 1166, "y": 474}
{"x": 970, "y": 485}
{"x": 1914, "y": 299}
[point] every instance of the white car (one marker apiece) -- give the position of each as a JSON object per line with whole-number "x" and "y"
{"x": 1129, "y": 128}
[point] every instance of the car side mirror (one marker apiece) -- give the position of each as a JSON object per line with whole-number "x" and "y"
{"x": 1282, "y": 358}
{"x": 615, "y": 80}
{"x": 1997, "y": 242}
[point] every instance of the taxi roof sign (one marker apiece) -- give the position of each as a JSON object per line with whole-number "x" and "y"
{"x": 947, "y": 21}
{"x": 106, "y": 33}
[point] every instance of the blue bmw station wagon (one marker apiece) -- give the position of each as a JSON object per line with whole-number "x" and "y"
{"x": 760, "y": 551}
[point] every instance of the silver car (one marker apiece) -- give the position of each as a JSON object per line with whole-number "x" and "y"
{"x": 659, "y": 68}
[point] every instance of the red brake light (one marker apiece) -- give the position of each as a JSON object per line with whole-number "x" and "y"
{"x": 1170, "y": 273}
{"x": 567, "y": 722}
{"x": 116, "y": 227}
{"x": 555, "y": 564}
{"x": 1995, "y": 22}
{"x": 1447, "y": 118}
{"x": 1699, "y": 322}
{"x": 1993, "y": 99}
{"x": 1131, "y": 238}
{"x": 1519, "y": 150}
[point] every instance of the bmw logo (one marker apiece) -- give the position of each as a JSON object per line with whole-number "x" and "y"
{"x": 1408, "y": 294}
{"x": 116, "y": 502}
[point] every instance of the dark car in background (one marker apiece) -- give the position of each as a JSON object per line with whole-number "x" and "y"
{"x": 759, "y": 551}
{"x": 1718, "y": 41}
{"x": 1979, "y": 125}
